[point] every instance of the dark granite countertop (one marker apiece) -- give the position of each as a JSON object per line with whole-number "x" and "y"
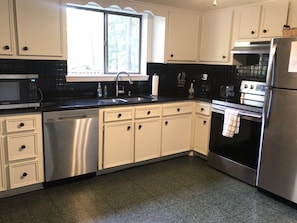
{"x": 66, "y": 104}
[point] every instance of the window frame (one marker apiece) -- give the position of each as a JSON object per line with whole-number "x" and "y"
{"x": 140, "y": 75}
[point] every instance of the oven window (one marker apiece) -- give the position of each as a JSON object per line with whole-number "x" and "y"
{"x": 10, "y": 91}
{"x": 243, "y": 147}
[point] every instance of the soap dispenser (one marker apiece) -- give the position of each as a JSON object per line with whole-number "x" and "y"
{"x": 191, "y": 90}
{"x": 99, "y": 90}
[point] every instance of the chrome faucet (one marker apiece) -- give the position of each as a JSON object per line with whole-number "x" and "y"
{"x": 117, "y": 81}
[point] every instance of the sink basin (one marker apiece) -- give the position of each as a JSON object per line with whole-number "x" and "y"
{"x": 137, "y": 99}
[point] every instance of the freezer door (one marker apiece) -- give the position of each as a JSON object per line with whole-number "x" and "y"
{"x": 277, "y": 171}
{"x": 281, "y": 77}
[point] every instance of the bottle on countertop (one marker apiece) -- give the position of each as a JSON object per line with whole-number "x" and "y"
{"x": 99, "y": 90}
{"x": 191, "y": 90}
{"x": 155, "y": 84}
{"x": 105, "y": 91}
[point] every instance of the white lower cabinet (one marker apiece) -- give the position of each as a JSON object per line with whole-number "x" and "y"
{"x": 147, "y": 139}
{"x": 202, "y": 127}
{"x": 176, "y": 134}
{"x": 118, "y": 144}
{"x": 2, "y": 170}
{"x": 131, "y": 134}
{"x": 21, "y": 151}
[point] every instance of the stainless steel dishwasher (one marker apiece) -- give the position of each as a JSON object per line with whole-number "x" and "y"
{"x": 70, "y": 143}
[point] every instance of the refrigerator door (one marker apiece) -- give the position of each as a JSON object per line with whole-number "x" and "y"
{"x": 277, "y": 171}
{"x": 280, "y": 75}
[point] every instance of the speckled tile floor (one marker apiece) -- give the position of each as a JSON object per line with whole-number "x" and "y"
{"x": 181, "y": 190}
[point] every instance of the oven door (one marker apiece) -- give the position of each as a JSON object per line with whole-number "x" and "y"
{"x": 237, "y": 156}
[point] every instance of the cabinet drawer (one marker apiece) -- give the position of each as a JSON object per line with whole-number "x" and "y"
{"x": 23, "y": 174}
{"x": 20, "y": 124}
{"x": 178, "y": 108}
{"x": 118, "y": 115}
{"x": 147, "y": 112}
{"x": 203, "y": 109}
{"x": 22, "y": 146}
{"x": 1, "y": 129}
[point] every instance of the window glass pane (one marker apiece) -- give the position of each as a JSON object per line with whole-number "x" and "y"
{"x": 85, "y": 41}
{"x": 123, "y": 49}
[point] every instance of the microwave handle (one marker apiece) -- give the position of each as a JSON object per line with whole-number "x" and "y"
{"x": 41, "y": 95}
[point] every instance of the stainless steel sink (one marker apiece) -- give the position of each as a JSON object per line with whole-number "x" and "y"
{"x": 124, "y": 100}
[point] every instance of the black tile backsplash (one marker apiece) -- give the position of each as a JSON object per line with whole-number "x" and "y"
{"x": 54, "y": 86}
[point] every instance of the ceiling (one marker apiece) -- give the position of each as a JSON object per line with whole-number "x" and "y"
{"x": 202, "y": 5}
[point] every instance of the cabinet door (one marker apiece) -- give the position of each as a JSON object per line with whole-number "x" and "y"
{"x": 2, "y": 171}
{"x": 182, "y": 37}
{"x": 39, "y": 27}
{"x": 274, "y": 16}
{"x": 147, "y": 139}
{"x": 201, "y": 136}
{"x": 176, "y": 134}
{"x": 118, "y": 144}
{"x": 5, "y": 27}
{"x": 249, "y": 21}
{"x": 216, "y": 36}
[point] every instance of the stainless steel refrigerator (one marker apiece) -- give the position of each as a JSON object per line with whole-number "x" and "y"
{"x": 277, "y": 169}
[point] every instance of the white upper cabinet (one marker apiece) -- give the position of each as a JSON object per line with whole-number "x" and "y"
{"x": 182, "y": 38}
{"x": 262, "y": 21}
{"x": 6, "y": 35}
{"x": 216, "y": 32}
{"x": 38, "y": 24}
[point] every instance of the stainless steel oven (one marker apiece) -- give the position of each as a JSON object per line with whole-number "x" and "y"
{"x": 238, "y": 155}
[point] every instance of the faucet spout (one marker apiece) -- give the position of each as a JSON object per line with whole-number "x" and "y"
{"x": 117, "y": 81}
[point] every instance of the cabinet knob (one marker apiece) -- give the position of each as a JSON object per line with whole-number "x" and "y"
{"x": 119, "y": 115}
{"x": 22, "y": 124}
{"x": 224, "y": 57}
{"x": 204, "y": 122}
{"x": 171, "y": 55}
{"x": 25, "y": 174}
{"x": 149, "y": 112}
{"x": 202, "y": 109}
{"x": 128, "y": 128}
{"x": 264, "y": 30}
{"x": 139, "y": 127}
{"x": 23, "y": 147}
{"x": 166, "y": 122}
{"x": 178, "y": 109}
{"x": 6, "y": 47}
{"x": 252, "y": 32}
{"x": 25, "y": 48}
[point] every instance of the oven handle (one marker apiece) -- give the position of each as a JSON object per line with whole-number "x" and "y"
{"x": 241, "y": 113}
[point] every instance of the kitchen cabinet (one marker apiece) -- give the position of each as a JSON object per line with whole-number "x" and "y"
{"x": 2, "y": 170}
{"x": 260, "y": 21}
{"x": 176, "y": 128}
{"x": 38, "y": 25}
{"x": 202, "y": 127}
{"x": 31, "y": 29}
{"x": 147, "y": 132}
{"x": 118, "y": 137}
{"x": 22, "y": 150}
{"x": 216, "y": 33}
{"x": 182, "y": 38}
{"x": 5, "y": 26}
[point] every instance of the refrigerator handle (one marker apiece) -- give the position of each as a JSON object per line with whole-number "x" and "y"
{"x": 270, "y": 73}
{"x": 267, "y": 106}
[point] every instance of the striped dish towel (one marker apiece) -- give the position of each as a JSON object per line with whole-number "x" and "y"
{"x": 231, "y": 123}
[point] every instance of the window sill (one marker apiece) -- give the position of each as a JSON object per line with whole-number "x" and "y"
{"x": 105, "y": 78}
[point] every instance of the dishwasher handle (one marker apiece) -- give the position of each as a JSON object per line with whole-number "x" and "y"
{"x": 73, "y": 117}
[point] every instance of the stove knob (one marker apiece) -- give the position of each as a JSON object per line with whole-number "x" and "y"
{"x": 252, "y": 87}
{"x": 246, "y": 86}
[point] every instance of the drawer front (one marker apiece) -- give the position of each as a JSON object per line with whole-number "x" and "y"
{"x": 23, "y": 174}
{"x": 203, "y": 109}
{"x": 177, "y": 109}
{"x": 147, "y": 112}
{"x": 20, "y": 124}
{"x": 1, "y": 128}
{"x": 22, "y": 146}
{"x": 118, "y": 115}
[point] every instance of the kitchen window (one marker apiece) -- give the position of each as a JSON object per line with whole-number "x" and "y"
{"x": 102, "y": 42}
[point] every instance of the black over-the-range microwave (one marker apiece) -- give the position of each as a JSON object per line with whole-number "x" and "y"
{"x": 19, "y": 91}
